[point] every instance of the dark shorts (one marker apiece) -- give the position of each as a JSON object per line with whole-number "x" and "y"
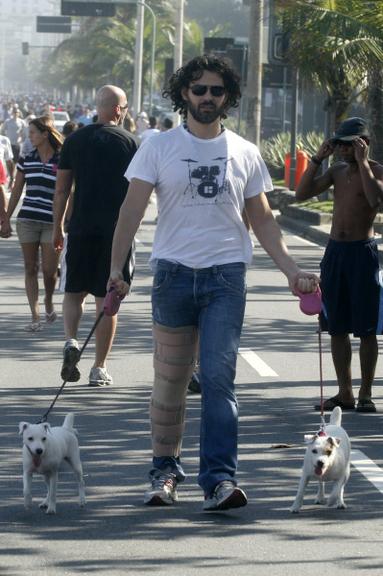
{"x": 350, "y": 284}
{"x": 87, "y": 264}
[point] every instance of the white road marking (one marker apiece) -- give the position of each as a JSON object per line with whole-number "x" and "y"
{"x": 368, "y": 468}
{"x": 305, "y": 241}
{"x": 256, "y": 362}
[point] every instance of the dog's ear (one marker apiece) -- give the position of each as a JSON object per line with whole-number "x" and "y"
{"x": 309, "y": 438}
{"x": 334, "y": 441}
{"x": 23, "y": 426}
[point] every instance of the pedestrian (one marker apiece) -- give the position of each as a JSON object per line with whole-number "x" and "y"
{"x": 94, "y": 159}
{"x": 69, "y": 127}
{"x": 37, "y": 171}
{"x": 350, "y": 265}
{"x": 166, "y": 124}
{"x": 3, "y": 198}
{"x": 142, "y": 123}
{"x": 6, "y": 157}
{"x": 151, "y": 129}
{"x": 204, "y": 175}
{"x": 13, "y": 128}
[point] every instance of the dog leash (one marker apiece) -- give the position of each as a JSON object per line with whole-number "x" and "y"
{"x": 311, "y": 304}
{"x": 111, "y": 306}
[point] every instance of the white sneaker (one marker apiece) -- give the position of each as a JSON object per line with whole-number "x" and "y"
{"x": 163, "y": 491}
{"x": 226, "y": 495}
{"x": 99, "y": 377}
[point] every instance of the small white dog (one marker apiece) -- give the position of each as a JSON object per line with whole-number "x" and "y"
{"x": 44, "y": 449}
{"x": 327, "y": 458}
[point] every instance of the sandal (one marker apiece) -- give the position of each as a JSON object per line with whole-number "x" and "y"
{"x": 365, "y": 405}
{"x": 34, "y": 327}
{"x": 50, "y": 317}
{"x": 330, "y": 404}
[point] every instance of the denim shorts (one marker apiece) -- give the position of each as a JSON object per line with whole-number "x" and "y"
{"x": 180, "y": 293}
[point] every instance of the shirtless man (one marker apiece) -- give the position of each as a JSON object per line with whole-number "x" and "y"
{"x": 350, "y": 266}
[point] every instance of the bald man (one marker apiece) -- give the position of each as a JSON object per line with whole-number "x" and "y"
{"x": 94, "y": 159}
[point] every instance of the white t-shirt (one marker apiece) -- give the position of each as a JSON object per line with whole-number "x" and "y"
{"x": 5, "y": 149}
{"x": 201, "y": 186}
{"x": 148, "y": 133}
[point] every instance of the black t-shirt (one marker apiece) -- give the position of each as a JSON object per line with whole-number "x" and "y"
{"x": 98, "y": 156}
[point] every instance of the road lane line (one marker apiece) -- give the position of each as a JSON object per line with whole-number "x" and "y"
{"x": 368, "y": 468}
{"x": 256, "y": 362}
{"x": 305, "y": 241}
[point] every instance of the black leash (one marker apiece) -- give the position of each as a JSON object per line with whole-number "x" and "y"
{"x": 111, "y": 305}
{"x": 45, "y": 415}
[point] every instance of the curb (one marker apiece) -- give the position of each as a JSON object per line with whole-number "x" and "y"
{"x": 314, "y": 233}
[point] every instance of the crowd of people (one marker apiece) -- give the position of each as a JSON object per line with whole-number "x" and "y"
{"x": 30, "y": 147}
{"x": 211, "y": 186}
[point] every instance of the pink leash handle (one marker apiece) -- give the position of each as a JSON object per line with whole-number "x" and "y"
{"x": 310, "y": 302}
{"x": 112, "y": 302}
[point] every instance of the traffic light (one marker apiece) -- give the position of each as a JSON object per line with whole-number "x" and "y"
{"x": 25, "y": 48}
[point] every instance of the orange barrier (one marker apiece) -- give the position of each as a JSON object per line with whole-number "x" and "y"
{"x": 302, "y": 163}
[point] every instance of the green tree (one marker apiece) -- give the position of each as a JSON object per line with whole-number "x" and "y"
{"x": 334, "y": 43}
{"x": 103, "y": 51}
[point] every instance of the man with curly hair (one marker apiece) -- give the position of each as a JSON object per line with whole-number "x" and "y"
{"x": 204, "y": 176}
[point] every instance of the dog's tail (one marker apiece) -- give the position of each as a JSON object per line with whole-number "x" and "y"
{"x": 68, "y": 422}
{"x": 336, "y": 416}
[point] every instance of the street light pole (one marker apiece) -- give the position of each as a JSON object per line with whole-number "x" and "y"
{"x": 179, "y": 36}
{"x": 153, "y": 54}
{"x": 138, "y": 58}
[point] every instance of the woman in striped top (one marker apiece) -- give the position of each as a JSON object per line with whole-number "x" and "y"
{"x": 34, "y": 221}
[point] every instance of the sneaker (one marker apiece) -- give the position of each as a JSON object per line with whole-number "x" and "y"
{"x": 69, "y": 370}
{"x": 226, "y": 495}
{"x": 99, "y": 377}
{"x": 163, "y": 491}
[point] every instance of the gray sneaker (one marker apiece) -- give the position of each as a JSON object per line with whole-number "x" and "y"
{"x": 226, "y": 495}
{"x": 163, "y": 491}
{"x": 99, "y": 377}
{"x": 69, "y": 370}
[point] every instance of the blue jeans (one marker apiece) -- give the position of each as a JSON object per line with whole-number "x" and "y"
{"x": 213, "y": 299}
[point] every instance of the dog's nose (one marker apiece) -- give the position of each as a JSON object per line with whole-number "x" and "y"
{"x": 320, "y": 464}
{"x": 39, "y": 450}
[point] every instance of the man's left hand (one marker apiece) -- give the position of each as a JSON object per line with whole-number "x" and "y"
{"x": 303, "y": 282}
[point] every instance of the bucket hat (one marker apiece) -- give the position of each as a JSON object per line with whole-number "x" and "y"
{"x": 351, "y": 129}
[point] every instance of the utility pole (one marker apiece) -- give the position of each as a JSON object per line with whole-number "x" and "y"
{"x": 179, "y": 34}
{"x": 137, "y": 84}
{"x": 178, "y": 41}
{"x": 254, "y": 73}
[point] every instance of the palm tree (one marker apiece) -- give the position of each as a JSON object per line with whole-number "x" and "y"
{"x": 104, "y": 49}
{"x": 334, "y": 43}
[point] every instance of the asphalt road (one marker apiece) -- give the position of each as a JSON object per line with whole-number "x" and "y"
{"x": 277, "y": 384}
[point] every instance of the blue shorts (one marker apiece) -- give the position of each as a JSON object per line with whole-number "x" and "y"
{"x": 350, "y": 284}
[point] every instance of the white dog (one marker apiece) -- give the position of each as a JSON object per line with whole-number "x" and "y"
{"x": 327, "y": 458}
{"x": 44, "y": 449}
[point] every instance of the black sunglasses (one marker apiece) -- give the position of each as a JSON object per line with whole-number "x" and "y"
{"x": 347, "y": 143}
{"x": 201, "y": 89}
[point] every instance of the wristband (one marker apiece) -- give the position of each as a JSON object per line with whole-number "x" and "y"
{"x": 316, "y": 160}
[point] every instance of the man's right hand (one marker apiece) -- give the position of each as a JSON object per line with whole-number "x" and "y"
{"x": 58, "y": 240}
{"x": 325, "y": 150}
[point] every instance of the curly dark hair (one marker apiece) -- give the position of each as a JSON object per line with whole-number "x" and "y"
{"x": 192, "y": 71}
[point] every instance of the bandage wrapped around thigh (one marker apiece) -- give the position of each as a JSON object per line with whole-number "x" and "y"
{"x": 174, "y": 359}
